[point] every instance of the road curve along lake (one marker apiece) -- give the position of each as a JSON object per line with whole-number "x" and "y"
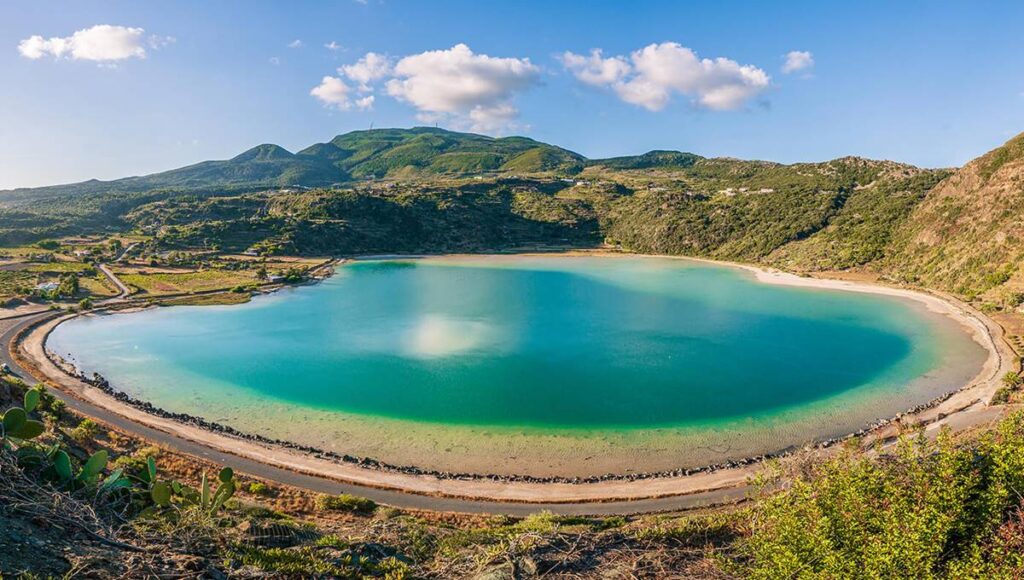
{"x": 536, "y": 365}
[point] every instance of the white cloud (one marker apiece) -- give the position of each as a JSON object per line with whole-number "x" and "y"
{"x": 274, "y": 60}
{"x": 365, "y": 103}
{"x": 102, "y": 43}
{"x": 295, "y": 44}
{"x": 372, "y": 67}
{"x": 333, "y": 92}
{"x": 471, "y": 89}
{"x": 596, "y": 70}
{"x": 654, "y": 73}
{"x": 456, "y": 85}
{"x": 797, "y": 60}
{"x": 334, "y": 46}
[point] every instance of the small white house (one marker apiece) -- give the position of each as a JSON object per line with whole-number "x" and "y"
{"x": 47, "y": 286}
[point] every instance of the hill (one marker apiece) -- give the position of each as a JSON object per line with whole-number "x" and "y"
{"x": 649, "y": 160}
{"x": 430, "y": 151}
{"x": 420, "y": 151}
{"x": 967, "y": 235}
{"x": 432, "y": 190}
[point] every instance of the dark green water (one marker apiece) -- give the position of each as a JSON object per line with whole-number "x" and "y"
{"x": 536, "y": 342}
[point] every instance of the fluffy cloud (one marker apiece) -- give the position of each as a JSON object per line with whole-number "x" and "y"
{"x": 797, "y": 60}
{"x": 295, "y": 44}
{"x": 103, "y": 43}
{"x": 595, "y": 69}
{"x": 471, "y": 89}
{"x": 367, "y": 70}
{"x": 333, "y": 92}
{"x": 651, "y": 75}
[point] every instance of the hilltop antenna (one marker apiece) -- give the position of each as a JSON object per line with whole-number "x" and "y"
{"x": 371, "y": 125}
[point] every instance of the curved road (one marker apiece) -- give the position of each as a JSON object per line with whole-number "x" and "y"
{"x": 10, "y": 327}
{"x": 122, "y": 289}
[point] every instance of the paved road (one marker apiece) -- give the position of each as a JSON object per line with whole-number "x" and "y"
{"x": 122, "y": 289}
{"x": 9, "y": 328}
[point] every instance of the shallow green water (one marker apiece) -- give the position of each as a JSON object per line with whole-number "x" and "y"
{"x": 533, "y": 342}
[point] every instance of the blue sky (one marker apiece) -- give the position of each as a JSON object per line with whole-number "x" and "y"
{"x": 930, "y": 83}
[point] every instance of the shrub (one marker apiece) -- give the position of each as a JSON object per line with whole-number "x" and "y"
{"x": 345, "y": 502}
{"x": 927, "y": 509}
{"x": 54, "y": 407}
{"x": 259, "y": 488}
{"x": 137, "y": 461}
{"x": 87, "y": 430}
{"x": 1001, "y": 396}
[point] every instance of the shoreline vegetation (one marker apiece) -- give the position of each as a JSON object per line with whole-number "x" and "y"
{"x": 932, "y": 495}
{"x": 967, "y": 396}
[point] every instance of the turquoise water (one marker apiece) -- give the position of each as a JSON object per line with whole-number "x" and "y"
{"x": 548, "y": 343}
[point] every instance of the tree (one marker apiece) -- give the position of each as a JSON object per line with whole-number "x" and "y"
{"x": 68, "y": 286}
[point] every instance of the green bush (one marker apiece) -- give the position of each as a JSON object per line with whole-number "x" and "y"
{"x": 1001, "y": 396}
{"x": 259, "y": 488}
{"x": 86, "y": 431}
{"x": 1012, "y": 380}
{"x": 928, "y": 509}
{"x": 345, "y": 502}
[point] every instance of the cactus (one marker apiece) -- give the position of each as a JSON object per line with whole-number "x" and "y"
{"x": 60, "y": 462}
{"x": 17, "y": 425}
{"x": 31, "y": 400}
{"x": 93, "y": 467}
{"x": 224, "y": 492}
{"x": 62, "y": 465}
{"x": 163, "y": 492}
{"x": 116, "y": 480}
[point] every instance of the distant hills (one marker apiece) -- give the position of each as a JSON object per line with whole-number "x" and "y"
{"x": 442, "y": 191}
{"x": 377, "y": 153}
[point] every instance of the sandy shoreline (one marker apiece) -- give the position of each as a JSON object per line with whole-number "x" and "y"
{"x": 956, "y": 410}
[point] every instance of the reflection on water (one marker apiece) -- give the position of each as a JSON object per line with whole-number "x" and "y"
{"x": 436, "y": 335}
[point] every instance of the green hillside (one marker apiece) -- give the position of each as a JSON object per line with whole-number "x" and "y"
{"x": 649, "y": 160}
{"x": 433, "y": 190}
{"x": 429, "y": 151}
{"x": 967, "y": 235}
{"x": 421, "y": 151}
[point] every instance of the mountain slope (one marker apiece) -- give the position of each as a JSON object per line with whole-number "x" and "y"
{"x": 959, "y": 231}
{"x": 967, "y": 235}
{"x": 416, "y": 152}
{"x": 649, "y": 160}
{"x": 429, "y": 151}
{"x": 262, "y": 166}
